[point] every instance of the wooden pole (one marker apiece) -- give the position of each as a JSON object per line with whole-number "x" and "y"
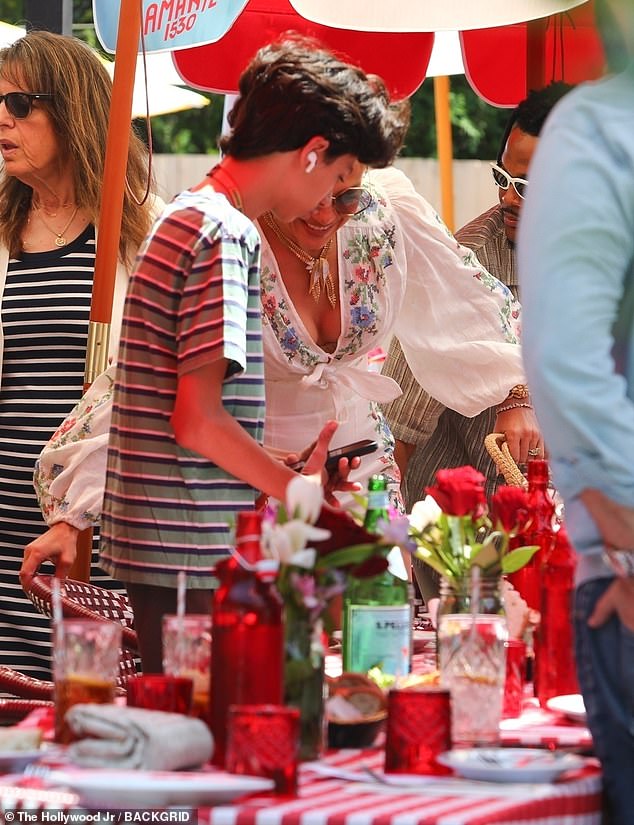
{"x": 445, "y": 150}
{"x": 115, "y": 163}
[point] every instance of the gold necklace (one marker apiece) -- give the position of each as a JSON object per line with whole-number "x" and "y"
{"x": 60, "y": 240}
{"x": 232, "y": 191}
{"x": 318, "y": 268}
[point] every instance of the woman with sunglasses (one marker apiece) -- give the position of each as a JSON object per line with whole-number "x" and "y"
{"x": 373, "y": 262}
{"x": 54, "y": 106}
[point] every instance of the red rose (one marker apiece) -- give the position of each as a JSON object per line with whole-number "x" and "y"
{"x": 459, "y": 492}
{"x": 509, "y": 508}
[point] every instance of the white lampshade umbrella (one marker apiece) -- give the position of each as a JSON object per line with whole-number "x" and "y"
{"x": 425, "y": 16}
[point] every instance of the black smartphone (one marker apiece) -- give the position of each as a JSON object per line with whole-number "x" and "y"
{"x": 356, "y": 448}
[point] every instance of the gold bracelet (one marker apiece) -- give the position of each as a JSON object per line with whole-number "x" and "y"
{"x": 513, "y": 407}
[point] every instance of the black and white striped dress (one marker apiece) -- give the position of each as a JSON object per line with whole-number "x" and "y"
{"x": 44, "y": 311}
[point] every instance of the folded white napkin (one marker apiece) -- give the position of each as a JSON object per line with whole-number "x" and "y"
{"x": 123, "y": 737}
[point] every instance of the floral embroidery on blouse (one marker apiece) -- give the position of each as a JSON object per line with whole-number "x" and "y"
{"x": 276, "y": 312}
{"x": 366, "y": 256}
{"x": 509, "y": 311}
{"x": 76, "y": 427}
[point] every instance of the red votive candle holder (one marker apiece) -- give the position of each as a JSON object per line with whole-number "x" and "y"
{"x": 418, "y": 730}
{"x": 263, "y": 740}
{"x": 515, "y": 678}
{"x": 156, "y": 691}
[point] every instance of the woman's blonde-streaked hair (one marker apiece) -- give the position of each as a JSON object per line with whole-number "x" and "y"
{"x": 79, "y": 82}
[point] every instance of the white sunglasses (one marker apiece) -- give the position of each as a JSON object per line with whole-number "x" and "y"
{"x": 504, "y": 180}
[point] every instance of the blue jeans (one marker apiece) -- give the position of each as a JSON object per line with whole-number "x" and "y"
{"x": 605, "y": 665}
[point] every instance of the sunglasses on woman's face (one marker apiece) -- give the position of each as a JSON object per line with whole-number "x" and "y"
{"x": 351, "y": 201}
{"x": 504, "y": 180}
{"x": 20, "y": 104}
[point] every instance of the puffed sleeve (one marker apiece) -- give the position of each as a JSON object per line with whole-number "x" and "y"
{"x": 458, "y": 325}
{"x": 70, "y": 473}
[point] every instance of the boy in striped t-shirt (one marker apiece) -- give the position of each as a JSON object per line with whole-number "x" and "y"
{"x": 188, "y": 410}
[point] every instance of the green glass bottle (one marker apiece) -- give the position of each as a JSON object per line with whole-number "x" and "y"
{"x": 377, "y": 615}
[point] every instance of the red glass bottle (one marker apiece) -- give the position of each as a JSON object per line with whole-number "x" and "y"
{"x": 247, "y": 632}
{"x": 540, "y": 531}
{"x": 556, "y": 669}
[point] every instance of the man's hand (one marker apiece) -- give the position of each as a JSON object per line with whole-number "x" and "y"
{"x": 521, "y": 429}
{"x": 58, "y": 544}
{"x": 619, "y": 599}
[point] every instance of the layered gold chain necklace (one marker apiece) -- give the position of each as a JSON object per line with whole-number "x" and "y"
{"x": 318, "y": 268}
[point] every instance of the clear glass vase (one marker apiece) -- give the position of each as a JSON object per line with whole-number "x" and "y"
{"x": 472, "y": 658}
{"x": 304, "y": 681}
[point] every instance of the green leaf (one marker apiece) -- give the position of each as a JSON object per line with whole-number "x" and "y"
{"x": 516, "y": 559}
{"x": 347, "y": 555}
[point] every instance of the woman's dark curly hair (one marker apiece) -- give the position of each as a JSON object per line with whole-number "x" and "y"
{"x": 295, "y": 89}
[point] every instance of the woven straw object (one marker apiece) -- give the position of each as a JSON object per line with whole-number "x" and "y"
{"x": 498, "y": 449}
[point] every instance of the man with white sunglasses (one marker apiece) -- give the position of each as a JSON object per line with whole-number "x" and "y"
{"x": 430, "y": 436}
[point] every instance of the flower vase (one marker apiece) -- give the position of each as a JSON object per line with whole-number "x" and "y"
{"x": 304, "y": 681}
{"x": 472, "y": 658}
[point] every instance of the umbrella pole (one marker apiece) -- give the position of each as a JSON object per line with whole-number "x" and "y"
{"x": 110, "y": 222}
{"x": 536, "y": 53}
{"x": 444, "y": 145}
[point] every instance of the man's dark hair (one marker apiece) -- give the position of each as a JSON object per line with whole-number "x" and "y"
{"x": 529, "y": 115}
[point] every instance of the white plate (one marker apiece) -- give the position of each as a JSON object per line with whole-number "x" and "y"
{"x": 510, "y": 764}
{"x": 571, "y": 705}
{"x": 155, "y": 789}
{"x": 16, "y": 761}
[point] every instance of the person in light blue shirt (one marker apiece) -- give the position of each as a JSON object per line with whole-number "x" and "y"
{"x": 576, "y": 260}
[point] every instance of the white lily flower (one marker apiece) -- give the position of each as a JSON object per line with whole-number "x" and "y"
{"x": 304, "y": 497}
{"x": 304, "y": 558}
{"x": 423, "y": 513}
{"x": 284, "y": 541}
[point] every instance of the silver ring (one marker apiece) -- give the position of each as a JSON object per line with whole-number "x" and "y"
{"x": 534, "y": 451}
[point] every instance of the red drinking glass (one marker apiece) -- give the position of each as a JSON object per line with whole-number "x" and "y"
{"x": 263, "y": 740}
{"x": 155, "y": 691}
{"x": 418, "y": 730}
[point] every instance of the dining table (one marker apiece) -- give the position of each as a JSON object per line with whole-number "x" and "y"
{"x": 334, "y": 791}
{"x": 349, "y": 787}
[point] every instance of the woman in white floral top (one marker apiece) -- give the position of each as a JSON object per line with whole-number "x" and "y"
{"x": 394, "y": 269}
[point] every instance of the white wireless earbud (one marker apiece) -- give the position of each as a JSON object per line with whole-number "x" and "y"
{"x": 312, "y": 162}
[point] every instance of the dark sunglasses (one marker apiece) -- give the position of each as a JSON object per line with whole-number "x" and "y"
{"x": 504, "y": 180}
{"x": 20, "y": 104}
{"x": 351, "y": 201}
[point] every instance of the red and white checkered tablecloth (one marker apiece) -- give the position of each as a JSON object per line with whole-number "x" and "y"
{"x": 538, "y": 727}
{"x": 324, "y": 800}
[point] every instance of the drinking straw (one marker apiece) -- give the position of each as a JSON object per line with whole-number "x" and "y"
{"x": 475, "y": 599}
{"x": 180, "y": 596}
{"x": 58, "y": 627}
{"x": 181, "y": 589}
{"x": 57, "y": 602}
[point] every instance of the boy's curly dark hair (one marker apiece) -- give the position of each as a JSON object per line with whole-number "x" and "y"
{"x": 295, "y": 89}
